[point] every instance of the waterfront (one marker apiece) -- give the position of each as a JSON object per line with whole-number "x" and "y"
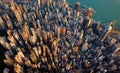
{"x": 106, "y": 10}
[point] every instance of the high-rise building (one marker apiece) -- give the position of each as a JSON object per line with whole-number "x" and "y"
{"x": 5, "y": 17}
{"x": 86, "y": 23}
{"x": 18, "y": 8}
{"x": 9, "y": 24}
{"x": 1, "y": 23}
{"x": 25, "y": 8}
{"x": 26, "y": 29}
{"x": 18, "y": 16}
{"x": 104, "y": 34}
{"x": 38, "y": 2}
{"x": 43, "y": 2}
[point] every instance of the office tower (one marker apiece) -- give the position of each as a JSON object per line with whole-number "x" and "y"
{"x": 104, "y": 34}
{"x": 6, "y": 16}
{"x": 18, "y": 8}
{"x": 9, "y": 61}
{"x": 9, "y": 24}
{"x": 51, "y": 1}
{"x": 37, "y": 10}
{"x": 63, "y": 31}
{"x": 48, "y": 3}
{"x": 12, "y": 40}
{"x": 26, "y": 30}
{"x": 64, "y": 1}
{"x": 89, "y": 23}
{"x": 18, "y": 16}
{"x": 18, "y": 38}
{"x": 88, "y": 20}
{"x": 86, "y": 23}
{"x": 5, "y": 43}
{"x": 25, "y": 8}
{"x": 38, "y": 2}
{"x": 24, "y": 16}
{"x": 12, "y": 4}
{"x": 77, "y": 6}
{"x": 1, "y": 3}
{"x": 33, "y": 16}
{"x": 36, "y": 51}
{"x": 23, "y": 34}
{"x": 58, "y": 31}
{"x": 18, "y": 68}
{"x": 38, "y": 23}
{"x": 33, "y": 57}
{"x": 33, "y": 38}
{"x": 90, "y": 12}
{"x": 19, "y": 57}
{"x": 34, "y": 24}
{"x": 2, "y": 26}
{"x": 9, "y": 32}
{"x": 43, "y": 2}
{"x": 6, "y": 70}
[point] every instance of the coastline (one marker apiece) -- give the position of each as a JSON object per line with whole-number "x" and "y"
{"x": 116, "y": 31}
{"x": 106, "y": 11}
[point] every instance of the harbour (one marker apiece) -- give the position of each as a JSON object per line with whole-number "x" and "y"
{"x": 106, "y": 10}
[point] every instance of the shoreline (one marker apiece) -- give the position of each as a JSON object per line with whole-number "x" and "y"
{"x": 116, "y": 31}
{"x": 105, "y": 12}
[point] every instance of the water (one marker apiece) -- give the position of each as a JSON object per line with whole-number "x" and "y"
{"x": 106, "y": 10}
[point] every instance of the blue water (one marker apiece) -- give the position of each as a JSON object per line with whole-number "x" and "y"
{"x": 106, "y": 10}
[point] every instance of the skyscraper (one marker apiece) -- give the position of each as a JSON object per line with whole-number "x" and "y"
{"x": 104, "y": 34}
{"x": 38, "y": 2}
{"x": 43, "y": 2}
{"x": 18, "y": 16}
{"x": 1, "y": 24}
